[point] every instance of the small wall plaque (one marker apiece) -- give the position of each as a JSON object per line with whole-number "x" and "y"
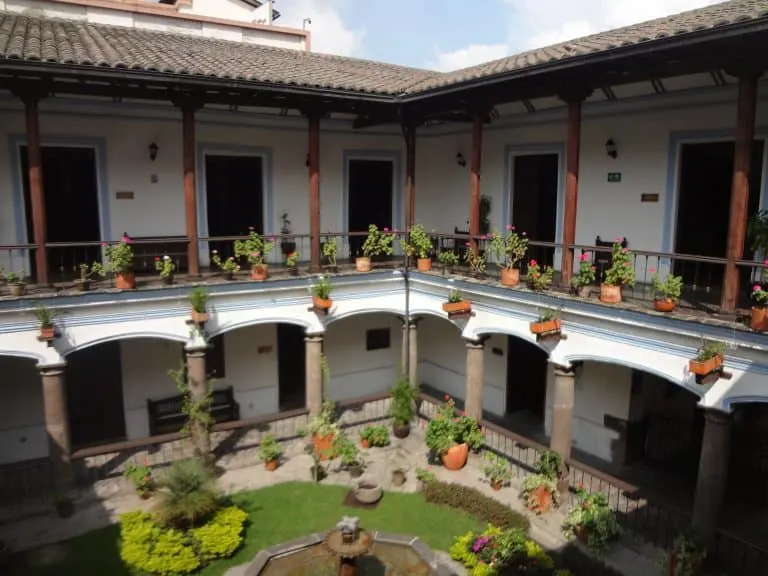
{"x": 649, "y": 197}
{"x": 124, "y": 195}
{"x": 614, "y": 176}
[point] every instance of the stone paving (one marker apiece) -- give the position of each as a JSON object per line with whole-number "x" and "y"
{"x": 46, "y": 528}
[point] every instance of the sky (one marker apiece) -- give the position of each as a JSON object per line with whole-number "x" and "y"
{"x": 451, "y": 34}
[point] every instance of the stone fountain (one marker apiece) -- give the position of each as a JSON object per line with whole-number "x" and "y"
{"x": 347, "y": 541}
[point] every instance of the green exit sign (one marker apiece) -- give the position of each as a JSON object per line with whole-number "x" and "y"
{"x": 614, "y": 176}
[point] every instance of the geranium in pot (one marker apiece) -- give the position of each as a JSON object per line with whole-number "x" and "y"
{"x": 330, "y": 248}
{"x": 759, "y": 319}
{"x": 686, "y": 557}
{"x": 324, "y": 430}
{"x": 377, "y": 243}
{"x": 418, "y": 244}
{"x": 539, "y": 278}
{"x": 666, "y": 292}
{"x": 540, "y": 490}
{"x": 402, "y": 407}
{"x": 45, "y": 317}
{"x": 709, "y": 359}
{"x": 621, "y": 273}
{"x": 270, "y": 452}
{"x": 120, "y": 263}
{"x": 547, "y": 324}
{"x": 141, "y": 478}
{"x": 198, "y": 298}
{"x": 450, "y": 435}
{"x": 592, "y": 521}
{"x": 228, "y": 266}
{"x": 292, "y": 262}
{"x": 585, "y": 276}
{"x": 496, "y": 470}
{"x": 255, "y": 249}
{"x": 448, "y": 260}
{"x": 321, "y": 294}
{"x": 509, "y": 250}
{"x": 374, "y": 437}
{"x": 456, "y": 305}
{"x": 166, "y": 268}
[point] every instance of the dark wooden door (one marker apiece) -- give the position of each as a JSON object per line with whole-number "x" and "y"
{"x": 526, "y": 377}
{"x": 291, "y": 362}
{"x": 371, "y": 192}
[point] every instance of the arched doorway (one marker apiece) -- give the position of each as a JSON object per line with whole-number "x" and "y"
{"x": 527, "y": 374}
{"x": 442, "y": 358}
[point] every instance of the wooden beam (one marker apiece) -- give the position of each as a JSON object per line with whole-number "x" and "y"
{"x": 188, "y": 109}
{"x": 737, "y": 224}
{"x": 573, "y": 143}
{"x": 475, "y": 163}
{"x": 314, "y": 190}
{"x": 36, "y": 188}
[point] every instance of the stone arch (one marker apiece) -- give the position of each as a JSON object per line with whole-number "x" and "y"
{"x": 125, "y": 336}
{"x": 25, "y": 354}
{"x": 309, "y": 327}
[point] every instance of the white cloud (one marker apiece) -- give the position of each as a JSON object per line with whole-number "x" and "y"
{"x": 329, "y": 34}
{"x": 537, "y": 23}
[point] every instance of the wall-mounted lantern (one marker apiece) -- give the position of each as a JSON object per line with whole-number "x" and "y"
{"x": 153, "y": 149}
{"x": 460, "y": 159}
{"x": 610, "y": 148}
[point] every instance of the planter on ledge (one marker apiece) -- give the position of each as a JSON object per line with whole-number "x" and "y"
{"x": 47, "y": 334}
{"x": 664, "y": 304}
{"x": 707, "y": 371}
{"x": 423, "y": 264}
{"x": 125, "y": 280}
{"x": 321, "y": 305}
{"x": 199, "y": 318}
{"x": 363, "y": 264}
{"x": 457, "y": 309}
{"x": 455, "y": 458}
{"x": 546, "y": 328}
{"x": 260, "y": 272}
{"x": 510, "y": 277}
{"x": 610, "y": 294}
{"x": 759, "y": 319}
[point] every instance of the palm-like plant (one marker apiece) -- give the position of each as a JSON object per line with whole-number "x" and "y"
{"x": 188, "y": 495}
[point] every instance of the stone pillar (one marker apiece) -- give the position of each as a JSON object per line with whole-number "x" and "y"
{"x": 562, "y": 417}
{"x": 410, "y": 352}
{"x": 473, "y": 397}
{"x": 57, "y": 425}
{"x": 314, "y": 373}
{"x": 197, "y": 381}
{"x": 713, "y": 472}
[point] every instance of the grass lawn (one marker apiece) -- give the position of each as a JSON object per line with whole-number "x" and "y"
{"x": 279, "y": 513}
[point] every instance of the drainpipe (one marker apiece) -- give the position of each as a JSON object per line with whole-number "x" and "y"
{"x": 407, "y": 336}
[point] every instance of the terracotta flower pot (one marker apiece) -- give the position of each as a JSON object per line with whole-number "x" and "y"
{"x": 664, "y": 304}
{"x": 424, "y": 264}
{"x": 610, "y": 294}
{"x": 125, "y": 280}
{"x": 321, "y": 303}
{"x": 546, "y": 327}
{"x": 365, "y": 443}
{"x": 323, "y": 446}
{"x": 199, "y": 317}
{"x": 542, "y": 500}
{"x": 18, "y": 289}
{"x": 47, "y": 333}
{"x": 704, "y": 367}
{"x": 455, "y": 458}
{"x": 759, "y": 320}
{"x": 363, "y": 264}
{"x": 510, "y": 277}
{"x": 270, "y": 465}
{"x": 496, "y": 485}
{"x": 460, "y": 307}
{"x": 259, "y": 273}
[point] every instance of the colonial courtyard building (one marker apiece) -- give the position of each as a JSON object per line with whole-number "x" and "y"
{"x": 186, "y": 129}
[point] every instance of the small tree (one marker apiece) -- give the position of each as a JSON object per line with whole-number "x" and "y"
{"x": 196, "y": 406}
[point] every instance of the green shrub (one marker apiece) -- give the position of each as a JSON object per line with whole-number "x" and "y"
{"x": 188, "y": 496}
{"x": 496, "y": 551}
{"x": 149, "y": 548}
{"x": 485, "y": 509}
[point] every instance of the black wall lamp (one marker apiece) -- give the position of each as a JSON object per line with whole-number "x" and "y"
{"x": 460, "y": 159}
{"x": 610, "y": 148}
{"x": 153, "y": 149}
{"x": 306, "y": 162}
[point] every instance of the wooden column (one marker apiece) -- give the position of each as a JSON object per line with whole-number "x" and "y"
{"x": 57, "y": 425}
{"x": 36, "y": 190}
{"x": 571, "y": 184}
{"x": 314, "y": 190}
{"x": 561, "y": 439}
{"x": 475, "y": 161}
{"x": 188, "y": 110}
{"x": 737, "y": 225}
{"x": 410, "y": 175}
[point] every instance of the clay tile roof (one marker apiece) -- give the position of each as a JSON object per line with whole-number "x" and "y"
{"x": 74, "y": 43}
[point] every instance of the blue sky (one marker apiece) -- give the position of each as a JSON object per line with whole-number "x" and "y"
{"x": 451, "y": 34}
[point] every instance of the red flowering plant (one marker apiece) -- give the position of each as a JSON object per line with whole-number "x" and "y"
{"x": 496, "y": 551}
{"x": 165, "y": 267}
{"x": 621, "y": 271}
{"x": 450, "y": 427}
{"x": 586, "y": 274}
{"x": 592, "y": 520}
{"x": 119, "y": 257}
{"x": 759, "y": 293}
{"x": 511, "y": 246}
{"x": 539, "y": 278}
{"x": 255, "y": 248}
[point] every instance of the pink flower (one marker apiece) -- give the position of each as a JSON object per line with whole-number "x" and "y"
{"x": 483, "y": 237}
{"x": 157, "y": 258}
{"x": 104, "y": 244}
{"x": 256, "y": 254}
{"x": 756, "y": 288}
{"x": 624, "y": 250}
{"x": 250, "y": 228}
{"x": 618, "y": 239}
{"x": 532, "y": 263}
{"x": 386, "y": 229}
{"x": 395, "y": 230}
{"x": 765, "y": 262}
{"x": 652, "y": 270}
{"x": 584, "y": 257}
{"x": 126, "y": 239}
{"x": 510, "y": 227}
{"x": 627, "y": 264}
{"x": 468, "y": 244}
{"x": 523, "y": 234}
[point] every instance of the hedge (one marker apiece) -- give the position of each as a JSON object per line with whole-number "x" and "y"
{"x": 485, "y": 509}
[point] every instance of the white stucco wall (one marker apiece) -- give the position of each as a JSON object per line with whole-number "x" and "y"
{"x": 22, "y": 419}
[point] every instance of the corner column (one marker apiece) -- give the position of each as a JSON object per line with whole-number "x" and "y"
{"x": 188, "y": 109}
{"x": 197, "y": 381}
{"x": 473, "y": 397}
{"x": 36, "y": 189}
{"x": 737, "y": 223}
{"x": 314, "y": 373}
{"x": 562, "y": 419}
{"x": 57, "y": 425}
{"x": 713, "y": 472}
{"x": 314, "y": 190}
{"x": 410, "y": 351}
{"x": 475, "y": 162}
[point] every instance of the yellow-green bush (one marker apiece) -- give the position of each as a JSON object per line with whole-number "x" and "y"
{"x": 150, "y": 548}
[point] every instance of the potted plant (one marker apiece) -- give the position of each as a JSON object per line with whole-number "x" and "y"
{"x": 166, "y": 268}
{"x": 16, "y": 283}
{"x": 377, "y": 243}
{"x": 666, "y": 292}
{"x": 496, "y": 470}
{"x": 448, "y": 259}
{"x": 199, "y": 299}
{"x": 349, "y": 455}
{"x": 287, "y": 246}
{"x": 424, "y": 477}
{"x": 585, "y": 276}
{"x": 592, "y": 521}
{"x": 418, "y": 244}
{"x": 141, "y": 478}
{"x": 759, "y": 319}
{"x": 709, "y": 358}
{"x": 686, "y": 557}
{"x": 374, "y": 437}
{"x": 548, "y": 324}
{"x": 83, "y": 283}
{"x": 538, "y": 278}
{"x": 451, "y": 436}
{"x": 270, "y": 452}
{"x": 540, "y": 490}
{"x": 620, "y": 273}
{"x": 330, "y": 249}
{"x": 228, "y": 266}
{"x": 291, "y": 260}
{"x": 402, "y": 407}
{"x": 321, "y": 294}
{"x": 45, "y": 316}
{"x": 475, "y": 260}
{"x": 324, "y": 430}
{"x": 255, "y": 249}
{"x": 456, "y": 305}
{"x": 512, "y": 247}
{"x": 120, "y": 263}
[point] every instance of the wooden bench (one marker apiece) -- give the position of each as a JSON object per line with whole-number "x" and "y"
{"x": 604, "y": 260}
{"x": 165, "y": 415}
